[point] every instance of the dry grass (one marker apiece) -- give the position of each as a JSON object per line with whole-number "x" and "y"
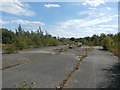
{"x": 61, "y": 50}
{"x": 116, "y": 52}
{"x": 89, "y": 49}
{"x": 10, "y": 63}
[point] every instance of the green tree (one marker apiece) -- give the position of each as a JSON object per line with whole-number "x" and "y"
{"x": 102, "y": 36}
{"x": 21, "y": 42}
{"x": 37, "y": 42}
{"x": 85, "y": 41}
{"x": 20, "y": 31}
{"x": 7, "y": 36}
{"x": 72, "y": 39}
{"x": 107, "y": 42}
{"x": 95, "y": 40}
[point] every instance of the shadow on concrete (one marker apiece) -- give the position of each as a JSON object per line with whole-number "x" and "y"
{"x": 103, "y": 49}
{"x": 113, "y": 74}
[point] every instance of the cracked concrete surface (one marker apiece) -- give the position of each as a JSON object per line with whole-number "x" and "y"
{"x": 48, "y": 70}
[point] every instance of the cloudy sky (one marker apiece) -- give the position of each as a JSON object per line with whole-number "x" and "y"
{"x": 63, "y": 19}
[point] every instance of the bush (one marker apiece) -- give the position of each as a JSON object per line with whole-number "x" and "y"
{"x": 21, "y": 42}
{"x": 50, "y": 41}
{"x": 37, "y": 41}
{"x": 115, "y": 49}
{"x": 7, "y": 36}
{"x": 107, "y": 43}
{"x": 54, "y": 42}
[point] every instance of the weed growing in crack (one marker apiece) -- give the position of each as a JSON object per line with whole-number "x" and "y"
{"x": 75, "y": 68}
{"x": 24, "y": 86}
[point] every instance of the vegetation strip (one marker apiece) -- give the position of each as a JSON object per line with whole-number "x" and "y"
{"x": 10, "y": 66}
{"x": 19, "y": 63}
{"x": 61, "y": 50}
{"x": 64, "y": 82}
{"x": 21, "y": 39}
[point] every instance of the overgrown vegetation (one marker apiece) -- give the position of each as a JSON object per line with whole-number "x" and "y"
{"x": 11, "y": 49}
{"x": 61, "y": 50}
{"x": 21, "y": 39}
{"x": 24, "y": 86}
{"x": 109, "y": 42}
{"x": 75, "y": 68}
{"x": 11, "y": 63}
{"x": 89, "y": 49}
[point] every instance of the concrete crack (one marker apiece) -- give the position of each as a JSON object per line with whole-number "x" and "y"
{"x": 75, "y": 68}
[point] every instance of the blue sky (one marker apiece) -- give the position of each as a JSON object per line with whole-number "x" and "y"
{"x": 63, "y": 19}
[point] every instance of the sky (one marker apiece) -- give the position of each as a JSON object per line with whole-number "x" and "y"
{"x": 61, "y": 19}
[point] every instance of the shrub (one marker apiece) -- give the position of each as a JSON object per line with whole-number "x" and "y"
{"x": 21, "y": 42}
{"x": 107, "y": 42}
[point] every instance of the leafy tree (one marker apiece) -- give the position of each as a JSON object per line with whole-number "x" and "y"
{"x": 107, "y": 42}
{"x": 72, "y": 39}
{"x": 102, "y": 36}
{"x": 20, "y": 31}
{"x": 24, "y": 39}
{"x": 95, "y": 40}
{"x": 7, "y": 36}
{"x": 37, "y": 41}
{"x": 85, "y": 42}
{"x": 21, "y": 42}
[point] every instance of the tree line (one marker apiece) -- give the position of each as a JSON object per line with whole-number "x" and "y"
{"x": 21, "y": 39}
{"x": 109, "y": 42}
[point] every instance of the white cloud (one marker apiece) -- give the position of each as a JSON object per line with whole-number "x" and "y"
{"x": 93, "y": 3}
{"x": 94, "y": 12}
{"x": 108, "y": 8}
{"x": 27, "y": 25}
{"x": 4, "y": 22}
{"x": 84, "y": 23}
{"x": 61, "y": 33}
{"x": 92, "y": 8}
{"x": 82, "y": 32}
{"x": 84, "y": 27}
{"x": 108, "y": 26}
{"x": 26, "y": 22}
{"x": 84, "y": 4}
{"x": 16, "y": 7}
{"x": 84, "y": 12}
{"x": 52, "y": 5}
